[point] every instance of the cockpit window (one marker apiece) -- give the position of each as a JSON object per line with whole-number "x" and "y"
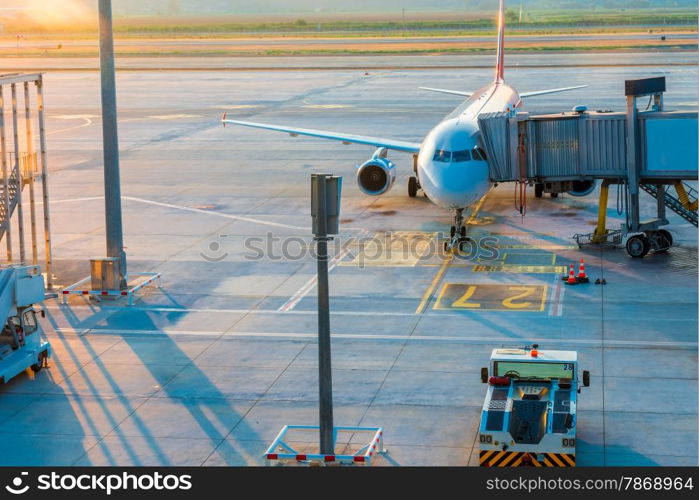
{"x": 442, "y": 155}
{"x": 481, "y": 152}
{"x": 464, "y": 155}
{"x": 477, "y": 155}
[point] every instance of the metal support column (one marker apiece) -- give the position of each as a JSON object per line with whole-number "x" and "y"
{"x": 29, "y": 163}
{"x": 600, "y": 233}
{"x": 16, "y": 168}
{"x": 44, "y": 181}
{"x": 660, "y": 199}
{"x": 632, "y": 163}
{"x": 112, "y": 183}
{"x": 325, "y": 407}
{"x": 5, "y": 176}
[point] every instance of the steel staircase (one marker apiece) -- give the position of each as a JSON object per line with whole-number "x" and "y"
{"x": 13, "y": 186}
{"x": 684, "y": 204}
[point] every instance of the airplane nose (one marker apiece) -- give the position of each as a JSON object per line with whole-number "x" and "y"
{"x": 454, "y": 185}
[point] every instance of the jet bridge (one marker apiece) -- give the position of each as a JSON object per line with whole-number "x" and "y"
{"x": 568, "y": 152}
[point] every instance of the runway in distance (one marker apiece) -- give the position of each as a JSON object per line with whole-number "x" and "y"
{"x": 450, "y": 164}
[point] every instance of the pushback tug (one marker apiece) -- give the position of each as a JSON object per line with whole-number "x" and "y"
{"x": 529, "y": 416}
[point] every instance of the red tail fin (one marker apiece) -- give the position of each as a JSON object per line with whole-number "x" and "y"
{"x": 499, "y": 68}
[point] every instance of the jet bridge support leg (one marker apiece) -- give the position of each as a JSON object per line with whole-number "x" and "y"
{"x": 600, "y": 234}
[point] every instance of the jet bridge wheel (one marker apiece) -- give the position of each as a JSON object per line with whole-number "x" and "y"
{"x": 538, "y": 190}
{"x": 413, "y": 186}
{"x": 638, "y": 246}
{"x": 661, "y": 241}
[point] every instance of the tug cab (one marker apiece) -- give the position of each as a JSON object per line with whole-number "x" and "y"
{"x": 529, "y": 416}
{"x": 21, "y": 342}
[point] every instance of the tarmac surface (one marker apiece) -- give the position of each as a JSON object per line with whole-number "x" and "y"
{"x": 206, "y": 369}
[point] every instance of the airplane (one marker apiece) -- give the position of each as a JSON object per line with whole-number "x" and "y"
{"x": 450, "y": 165}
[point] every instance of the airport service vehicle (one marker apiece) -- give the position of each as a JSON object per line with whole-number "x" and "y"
{"x": 21, "y": 345}
{"x": 529, "y": 416}
{"x": 450, "y": 164}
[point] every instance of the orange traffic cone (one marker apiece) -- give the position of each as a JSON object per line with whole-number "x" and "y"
{"x": 582, "y": 277}
{"x": 571, "y": 277}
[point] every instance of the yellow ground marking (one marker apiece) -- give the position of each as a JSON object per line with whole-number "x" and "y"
{"x": 396, "y": 249}
{"x": 523, "y": 269}
{"x": 491, "y": 297}
{"x": 433, "y": 285}
{"x": 506, "y": 256}
{"x": 445, "y": 265}
{"x": 474, "y": 214}
{"x": 533, "y": 247}
{"x": 463, "y": 301}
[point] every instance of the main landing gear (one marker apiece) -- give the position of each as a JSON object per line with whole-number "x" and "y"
{"x": 413, "y": 186}
{"x": 458, "y": 232}
{"x": 639, "y": 245}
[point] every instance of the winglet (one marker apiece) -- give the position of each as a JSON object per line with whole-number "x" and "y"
{"x": 223, "y": 119}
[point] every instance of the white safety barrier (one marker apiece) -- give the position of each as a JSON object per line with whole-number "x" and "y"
{"x": 129, "y": 292}
{"x": 280, "y": 450}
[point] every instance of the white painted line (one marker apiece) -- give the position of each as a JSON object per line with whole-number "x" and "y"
{"x": 172, "y": 117}
{"x": 218, "y": 214}
{"x": 385, "y": 337}
{"x": 75, "y": 200}
{"x": 397, "y": 314}
{"x": 557, "y": 292}
{"x": 289, "y": 305}
{"x": 87, "y": 122}
{"x": 311, "y": 283}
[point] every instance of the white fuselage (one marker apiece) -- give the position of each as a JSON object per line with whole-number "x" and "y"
{"x": 449, "y": 172}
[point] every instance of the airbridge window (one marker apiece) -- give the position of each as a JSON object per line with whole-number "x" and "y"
{"x": 442, "y": 155}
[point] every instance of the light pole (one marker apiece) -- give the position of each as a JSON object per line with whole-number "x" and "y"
{"x": 110, "y": 138}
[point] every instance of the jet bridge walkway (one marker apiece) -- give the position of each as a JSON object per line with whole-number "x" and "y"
{"x": 570, "y": 152}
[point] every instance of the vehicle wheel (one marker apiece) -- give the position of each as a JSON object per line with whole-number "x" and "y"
{"x": 659, "y": 242}
{"x": 554, "y": 195}
{"x": 463, "y": 231}
{"x": 638, "y": 246}
{"x": 36, "y": 368}
{"x": 412, "y": 187}
{"x": 538, "y": 190}
{"x": 667, "y": 234}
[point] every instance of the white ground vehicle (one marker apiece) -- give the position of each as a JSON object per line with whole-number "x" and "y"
{"x": 529, "y": 416}
{"x": 21, "y": 345}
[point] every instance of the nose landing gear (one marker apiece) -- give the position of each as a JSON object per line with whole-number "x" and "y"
{"x": 458, "y": 233}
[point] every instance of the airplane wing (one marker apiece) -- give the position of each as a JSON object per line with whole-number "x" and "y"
{"x": 446, "y": 91}
{"x": 405, "y": 146}
{"x": 550, "y": 91}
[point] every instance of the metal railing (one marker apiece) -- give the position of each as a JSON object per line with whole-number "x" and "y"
{"x": 676, "y": 204}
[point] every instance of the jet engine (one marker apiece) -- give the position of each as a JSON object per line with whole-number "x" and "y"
{"x": 376, "y": 176}
{"x": 582, "y": 188}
